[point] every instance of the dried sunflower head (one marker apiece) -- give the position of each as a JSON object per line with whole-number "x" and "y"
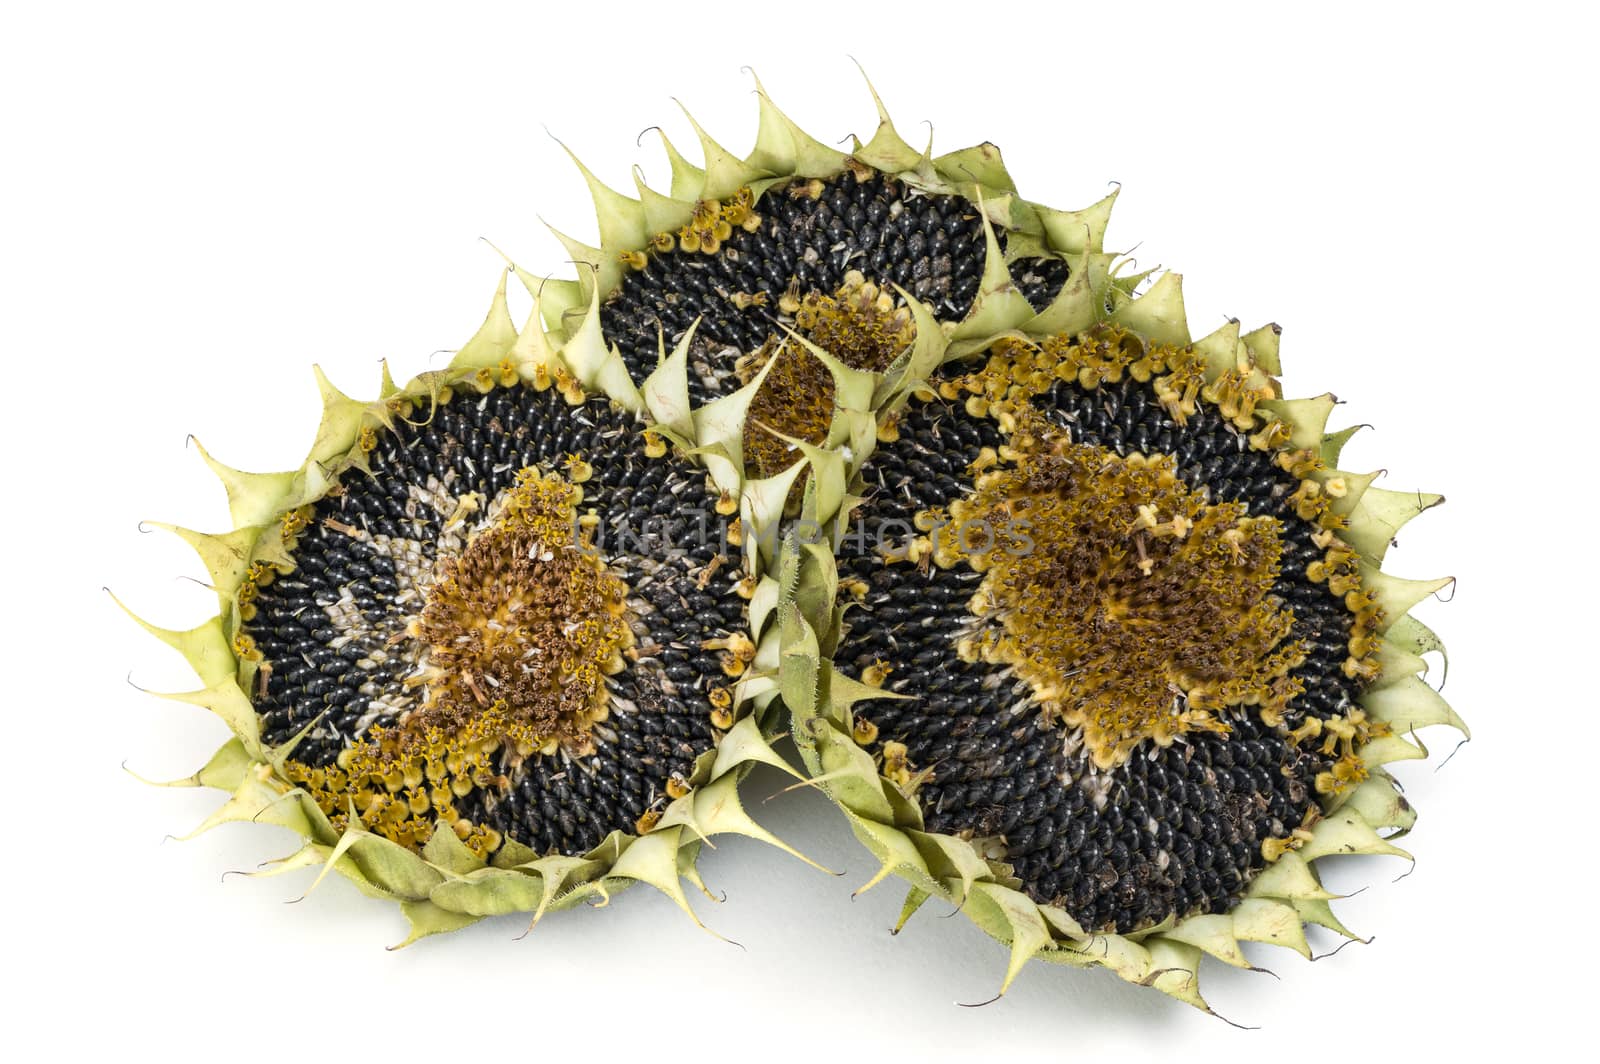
{"x": 488, "y": 649}
{"x": 1107, "y": 658}
{"x": 812, "y": 274}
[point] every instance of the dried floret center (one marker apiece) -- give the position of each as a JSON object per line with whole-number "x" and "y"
{"x": 1135, "y": 609}
{"x": 526, "y": 616}
{"x": 861, "y": 325}
{"x": 518, "y": 632}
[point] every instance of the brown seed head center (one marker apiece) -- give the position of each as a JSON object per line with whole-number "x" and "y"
{"x": 860, "y": 324}
{"x": 520, "y": 630}
{"x": 528, "y": 616}
{"x": 1133, "y": 607}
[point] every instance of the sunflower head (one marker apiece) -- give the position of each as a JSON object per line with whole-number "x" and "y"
{"x": 486, "y": 649}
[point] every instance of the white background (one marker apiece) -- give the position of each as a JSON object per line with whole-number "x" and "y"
{"x": 200, "y": 202}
